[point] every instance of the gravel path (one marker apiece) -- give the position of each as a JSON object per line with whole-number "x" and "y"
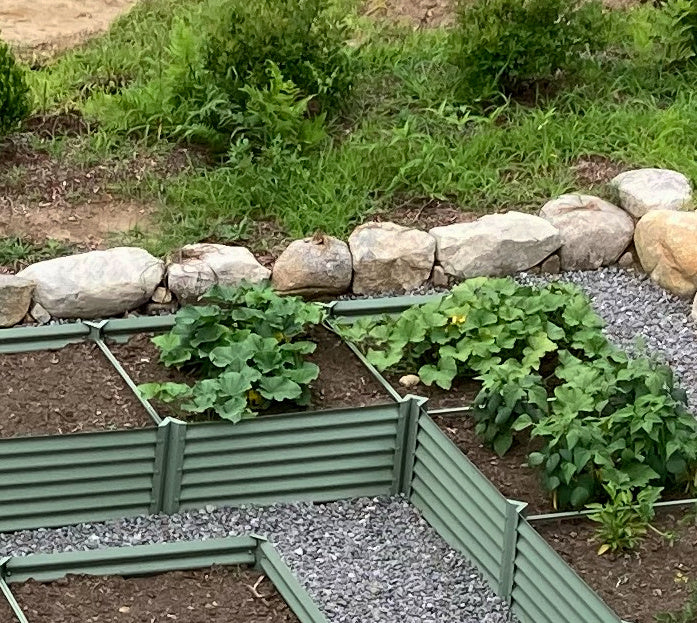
{"x": 366, "y": 560}
{"x": 632, "y": 305}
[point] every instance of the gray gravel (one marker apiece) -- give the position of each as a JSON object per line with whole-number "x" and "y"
{"x": 366, "y": 560}
{"x": 633, "y": 306}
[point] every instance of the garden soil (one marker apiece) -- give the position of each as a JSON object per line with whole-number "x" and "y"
{"x": 71, "y": 390}
{"x": 214, "y": 595}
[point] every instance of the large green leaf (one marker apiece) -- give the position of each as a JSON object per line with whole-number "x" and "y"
{"x": 279, "y": 388}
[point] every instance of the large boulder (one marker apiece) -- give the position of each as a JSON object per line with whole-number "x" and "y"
{"x": 495, "y": 245}
{"x": 390, "y": 258}
{"x": 594, "y": 233}
{"x": 644, "y": 190}
{"x": 95, "y": 284}
{"x": 205, "y": 265}
{"x": 666, "y": 243}
{"x": 314, "y": 266}
{"x": 15, "y": 299}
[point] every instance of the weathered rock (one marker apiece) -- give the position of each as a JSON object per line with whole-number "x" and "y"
{"x": 594, "y": 233}
{"x": 39, "y": 314}
{"x": 161, "y": 296}
{"x": 95, "y": 284}
{"x": 205, "y": 265}
{"x": 15, "y": 299}
{"x": 552, "y": 265}
{"x": 627, "y": 260}
{"x": 644, "y": 190}
{"x": 314, "y": 266}
{"x": 666, "y": 243}
{"x": 388, "y": 257}
{"x": 496, "y": 244}
{"x": 409, "y": 380}
{"x": 438, "y": 277}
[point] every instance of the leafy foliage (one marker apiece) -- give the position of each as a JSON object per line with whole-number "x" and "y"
{"x": 14, "y": 100}
{"x": 505, "y": 44}
{"x": 687, "y": 614}
{"x": 267, "y": 72}
{"x": 681, "y": 26}
{"x": 243, "y": 346}
{"x": 610, "y": 424}
{"x": 623, "y": 520}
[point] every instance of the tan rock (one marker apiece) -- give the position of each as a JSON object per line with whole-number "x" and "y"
{"x": 551, "y": 266}
{"x": 438, "y": 277}
{"x": 666, "y": 243}
{"x": 594, "y": 232}
{"x": 409, "y": 380}
{"x": 15, "y": 299}
{"x": 161, "y": 296}
{"x": 693, "y": 315}
{"x": 390, "y": 258}
{"x": 314, "y": 266}
{"x": 644, "y": 190}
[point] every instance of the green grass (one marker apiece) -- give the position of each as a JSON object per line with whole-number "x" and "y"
{"x": 403, "y": 134}
{"x": 17, "y": 252}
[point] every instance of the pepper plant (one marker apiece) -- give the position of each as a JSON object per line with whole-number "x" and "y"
{"x": 245, "y": 348}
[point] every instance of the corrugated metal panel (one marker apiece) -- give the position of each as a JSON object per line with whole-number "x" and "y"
{"x": 463, "y": 506}
{"x": 53, "y": 481}
{"x": 546, "y": 589}
{"x": 132, "y": 560}
{"x": 321, "y": 457}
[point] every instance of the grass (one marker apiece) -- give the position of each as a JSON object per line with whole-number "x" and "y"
{"x": 17, "y": 252}
{"x": 403, "y": 134}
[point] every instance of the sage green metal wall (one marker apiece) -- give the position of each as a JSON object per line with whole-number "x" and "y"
{"x": 474, "y": 518}
{"x": 457, "y": 500}
{"x": 54, "y": 481}
{"x": 546, "y": 589}
{"x": 321, "y": 457}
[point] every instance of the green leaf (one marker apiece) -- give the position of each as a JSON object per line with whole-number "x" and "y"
{"x": 167, "y": 392}
{"x": 233, "y": 409}
{"x": 304, "y": 374}
{"x": 503, "y": 443}
{"x": 442, "y": 374}
{"x": 236, "y": 383}
{"x": 279, "y": 388}
{"x": 535, "y": 459}
{"x": 579, "y": 496}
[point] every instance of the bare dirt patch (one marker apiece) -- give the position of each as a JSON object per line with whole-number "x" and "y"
{"x": 46, "y": 197}
{"x": 595, "y": 170}
{"x": 57, "y": 23}
{"x": 426, "y": 213}
{"x": 420, "y": 13}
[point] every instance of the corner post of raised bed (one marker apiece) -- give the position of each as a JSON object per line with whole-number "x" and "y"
{"x": 5, "y": 590}
{"x": 168, "y": 469}
{"x": 514, "y": 512}
{"x": 269, "y": 561}
{"x": 410, "y": 409}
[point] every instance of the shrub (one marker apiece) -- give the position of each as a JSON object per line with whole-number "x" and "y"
{"x": 267, "y": 71}
{"x": 14, "y": 100}
{"x": 503, "y": 45}
{"x": 679, "y": 36}
{"x": 243, "y": 348}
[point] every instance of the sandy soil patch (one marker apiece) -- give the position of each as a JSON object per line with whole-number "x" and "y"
{"x": 60, "y": 23}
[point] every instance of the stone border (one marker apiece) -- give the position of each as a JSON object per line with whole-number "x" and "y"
{"x": 651, "y": 228}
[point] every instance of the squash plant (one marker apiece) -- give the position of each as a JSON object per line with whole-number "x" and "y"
{"x": 608, "y": 422}
{"x": 245, "y": 348}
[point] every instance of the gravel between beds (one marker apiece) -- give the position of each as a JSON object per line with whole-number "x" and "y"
{"x": 632, "y": 305}
{"x": 362, "y": 560}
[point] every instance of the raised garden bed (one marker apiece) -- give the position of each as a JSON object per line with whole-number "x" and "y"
{"x": 71, "y": 390}
{"x": 187, "y": 582}
{"x": 343, "y": 379}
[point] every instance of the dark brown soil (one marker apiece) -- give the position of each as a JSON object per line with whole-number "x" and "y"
{"x": 71, "y": 390}
{"x": 509, "y": 473}
{"x": 214, "y": 595}
{"x": 343, "y": 380}
{"x": 426, "y": 213}
{"x": 462, "y": 393}
{"x": 654, "y": 578}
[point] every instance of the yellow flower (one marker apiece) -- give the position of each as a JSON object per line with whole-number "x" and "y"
{"x": 457, "y": 319}
{"x": 254, "y": 398}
